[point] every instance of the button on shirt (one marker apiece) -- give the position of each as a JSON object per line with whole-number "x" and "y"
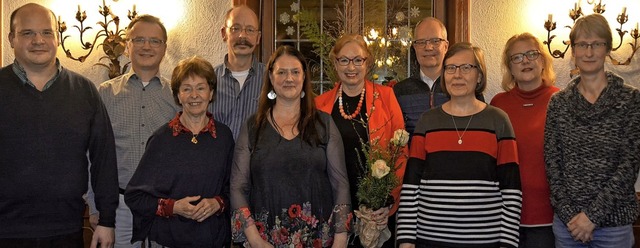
{"x": 136, "y": 112}
{"x": 234, "y": 104}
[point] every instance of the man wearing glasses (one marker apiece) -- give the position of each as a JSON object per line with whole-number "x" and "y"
{"x": 240, "y": 75}
{"x": 138, "y": 102}
{"x": 422, "y": 91}
{"x": 53, "y": 125}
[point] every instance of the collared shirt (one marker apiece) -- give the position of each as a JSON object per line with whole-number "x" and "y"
{"x": 22, "y": 74}
{"x": 176, "y": 125}
{"x": 427, "y": 79}
{"x": 136, "y": 112}
{"x": 234, "y": 104}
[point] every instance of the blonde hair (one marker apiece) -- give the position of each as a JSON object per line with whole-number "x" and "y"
{"x": 548, "y": 74}
{"x": 594, "y": 24}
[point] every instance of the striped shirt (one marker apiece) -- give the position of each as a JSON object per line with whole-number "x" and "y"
{"x": 234, "y": 104}
{"x": 461, "y": 194}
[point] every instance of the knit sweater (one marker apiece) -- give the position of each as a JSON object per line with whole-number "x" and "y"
{"x": 461, "y": 194}
{"x": 592, "y": 152}
{"x": 47, "y": 139}
{"x": 527, "y": 111}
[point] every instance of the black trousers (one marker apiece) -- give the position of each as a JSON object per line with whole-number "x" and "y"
{"x": 73, "y": 240}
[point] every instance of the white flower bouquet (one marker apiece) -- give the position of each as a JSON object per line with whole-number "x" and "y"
{"x": 375, "y": 186}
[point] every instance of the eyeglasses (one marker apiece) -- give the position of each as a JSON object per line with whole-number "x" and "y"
{"x": 357, "y": 61}
{"x": 423, "y": 42}
{"x": 464, "y": 68}
{"x": 519, "y": 57}
{"x": 29, "y": 34}
{"x": 247, "y": 30}
{"x": 153, "y": 42}
{"x": 582, "y": 46}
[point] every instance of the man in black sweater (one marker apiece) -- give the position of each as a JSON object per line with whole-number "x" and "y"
{"x": 52, "y": 125}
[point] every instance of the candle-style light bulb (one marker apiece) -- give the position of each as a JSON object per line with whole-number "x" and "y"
{"x": 551, "y": 18}
{"x": 79, "y": 8}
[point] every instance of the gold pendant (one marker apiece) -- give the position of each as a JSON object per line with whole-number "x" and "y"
{"x": 459, "y": 141}
{"x": 194, "y": 140}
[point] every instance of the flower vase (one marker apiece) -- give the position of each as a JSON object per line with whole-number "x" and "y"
{"x": 371, "y": 234}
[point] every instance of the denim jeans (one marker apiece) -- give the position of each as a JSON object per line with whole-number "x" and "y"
{"x": 605, "y": 237}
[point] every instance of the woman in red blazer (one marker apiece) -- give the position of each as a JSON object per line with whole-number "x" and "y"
{"x": 355, "y": 102}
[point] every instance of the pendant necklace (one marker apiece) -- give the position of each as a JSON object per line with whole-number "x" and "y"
{"x": 194, "y": 138}
{"x": 464, "y": 131}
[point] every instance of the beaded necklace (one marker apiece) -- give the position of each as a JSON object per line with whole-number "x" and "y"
{"x": 356, "y": 112}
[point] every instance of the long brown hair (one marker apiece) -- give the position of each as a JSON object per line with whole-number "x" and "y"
{"x": 308, "y": 113}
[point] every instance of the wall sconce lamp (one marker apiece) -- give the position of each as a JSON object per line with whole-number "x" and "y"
{"x": 113, "y": 44}
{"x": 599, "y": 8}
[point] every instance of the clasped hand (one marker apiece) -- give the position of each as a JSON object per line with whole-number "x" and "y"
{"x": 198, "y": 212}
{"x": 581, "y": 228}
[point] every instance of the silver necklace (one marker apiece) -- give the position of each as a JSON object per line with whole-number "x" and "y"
{"x": 464, "y": 131}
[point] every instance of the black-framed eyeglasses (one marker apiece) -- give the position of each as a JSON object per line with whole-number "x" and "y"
{"x": 423, "y": 42}
{"x": 519, "y": 57}
{"x": 357, "y": 61}
{"x": 153, "y": 42}
{"x": 247, "y": 30}
{"x": 595, "y": 45}
{"x": 464, "y": 68}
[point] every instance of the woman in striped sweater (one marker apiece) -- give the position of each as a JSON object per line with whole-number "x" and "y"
{"x": 462, "y": 184}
